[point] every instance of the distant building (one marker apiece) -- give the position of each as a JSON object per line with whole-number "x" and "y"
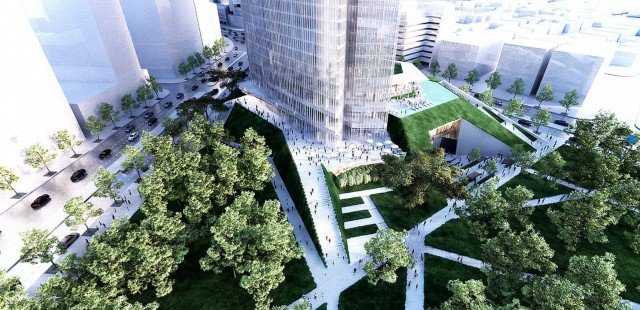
{"x": 525, "y": 59}
{"x": 230, "y": 12}
{"x": 419, "y": 25}
{"x": 479, "y": 50}
{"x": 166, "y": 32}
{"x": 327, "y": 66}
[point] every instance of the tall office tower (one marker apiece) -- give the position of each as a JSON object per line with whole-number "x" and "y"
{"x": 166, "y": 32}
{"x": 326, "y": 65}
{"x": 420, "y": 23}
{"x": 88, "y": 47}
{"x": 35, "y": 106}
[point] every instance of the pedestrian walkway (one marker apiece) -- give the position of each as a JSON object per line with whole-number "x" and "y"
{"x": 365, "y": 193}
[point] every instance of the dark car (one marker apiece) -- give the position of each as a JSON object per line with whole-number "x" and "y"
{"x": 525, "y": 123}
{"x": 78, "y": 175}
{"x": 240, "y": 63}
{"x": 168, "y": 104}
{"x": 215, "y": 91}
{"x": 129, "y": 128}
{"x": 573, "y": 139}
{"x": 235, "y": 48}
{"x": 201, "y": 74}
{"x": 194, "y": 87}
{"x": 226, "y": 58}
{"x": 476, "y": 95}
{"x": 561, "y": 122}
{"x": 69, "y": 239}
{"x": 214, "y": 79}
{"x": 242, "y": 41}
{"x": 219, "y": 64}
{"x": 180, "y": 96}
{"x": 104, "y": 154}
{"x": 148, "y": 114}
{"x": 203, "y": 81}
{"x": 152, "y": 121}
{"x": 41, "y": 201}
{"x": 235, "y": 54}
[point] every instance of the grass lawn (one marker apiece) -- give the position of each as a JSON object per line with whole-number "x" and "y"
{"x": 358, "y": 215}
{"x": 363, "y": 295}
{"x": 397, "y": 68}
{"x": 536, "y": 185}
{"x": 351, "y": 202}
{"x": 411, "y": 132}
{"x": 438, "y": 272}
{"x": 336, "y": 203}
{"x": 398, "y": 217}
{"x": 360, "y": 231}
{"x": 572, "y": 163}
{"x": 455, "y": 236}
{"x": 361, "y": 187}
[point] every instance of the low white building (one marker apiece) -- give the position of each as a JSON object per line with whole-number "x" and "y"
{"x": 525, "y": 59}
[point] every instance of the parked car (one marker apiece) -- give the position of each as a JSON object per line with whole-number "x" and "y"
{"x": 525, "y": 123}
{"x": 133, "y": 136}
{"x": 226, "y": 58}
{"x": 41, "y": 201}
{"x": 204, "y": 80}
{"x": 152, "y": 121}
{"x": 148, "y": 114}
{"x": 129, "y": 128}
{"x": 194, "y": 87}
{"x": 180, "y": 96}
{"x": 240, "y": 64}
{"x": 78, "y": 175}
{"x": 242, "y": 41}
{"x": 561, "y": 122}
{"x": 235, "y": 54}
{"x": 476, "y": 95}
{"x": 497, "y": 103}
{"x": 573, "y": 139}
{"x": 215, "y": 91}
{"x": 69, "y": 239}
{"x": 104, "y": 154}
{"x": 235, "y": 48}
{"x": 168, "y": 104}
{"x": 219, "y": 64}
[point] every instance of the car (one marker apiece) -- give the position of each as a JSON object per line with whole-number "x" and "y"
{"x": 41, "y": 201}
{"x": 525, "y": 123}
{"x": 497, "y": 103}
{"x": 152, "y": 121}
{"x": 226, "y": 58}
{"x": 235, "y": 39}
{"x": 242, "y": 33}
{"x": 476, "y": 95}
{"x": 240, "y": 63}
{"x": 214, "y": 79}
{"x": 235, "y": 54}
{"x": 148, "y": 114}
{"x": 215, "y": 91}
{"x": 219, "y": 64}
{"x": 129, "y": 128}
{"x": 69, "y": 239}
{"x": 242, "y": 42}
{"x": 573, "y": 139}
{"x": 133, "y": 136}
{"x": 167, "y": 104}
{"x": 180, "y": 96}
{"x": 104, "y": 154}
{"x": 204, "y": 80}
{"x": 78, "y": 175}
{"x": 201, "y": 74}
{"x": 561, "y": 122}
{"x": 230, "y": 67}
{"x": 194, "y": 87}
{"x": 235, "y": 48}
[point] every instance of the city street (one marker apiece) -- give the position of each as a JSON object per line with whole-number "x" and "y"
{"x": 21, "y": 217}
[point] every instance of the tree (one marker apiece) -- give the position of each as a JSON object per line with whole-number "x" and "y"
{"x": 551, "y": 292}
{"x": 472, "y": 77}
{"x": 514, "y": 108}
{"x": 484, "y": 212}
{"x": 220, "y": 45}
{"x": 79, "y": 212}
{"x": 38, "y": 247}
{"x": 254, "y": 167}
{"x": 172, "y": 126}
{"x": 37, "y": 156}
{"x": 517, "y": 208}
{"x": 134, "y": 158}
{"x": 551, "y": 165}
{"x": 418, "y": 63}
{"x": 599, "y": 280}
{"x": 487, "y": 97}
{"x": 434, "y": 68}
{"x": 475, "y": 154}
{"x": 12, "y": 295}
{"x": 494, "y": 80}
{"x": 95, "y": 126}
{"x": 522, "y": 157}
{"x": 192, "y": 61}
{"x": 199, "y": 59}
{"x": 451, "y": 72}
{"x": 570, "y": 100}
{"x": 208, "y": 53}
{"x": 127, "y": 103}
{"x": 516, "y": 88}
{"x": 65, "y": 140}
{"x": 142, "y": 95}
{"x": 108, "y": 114}
{"x": 255, "y": 241}
{"x": 389, "y": 253}
{"x": 541, "y": 118}
{"x": 154, "y": 85}
{"x": 491, "y": 167}
{"x": 184, "y": 68}
{"x": 584, "y": 217}
{"x": 466, "y": 88}
{"x": 107, "y": 184}
{"x": 7, "y": 178}
{"x": 545, "y": 94}
{"x": 468, "y": 295}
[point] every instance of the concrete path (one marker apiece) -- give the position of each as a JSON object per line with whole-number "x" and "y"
{"x": 367, "y": 192}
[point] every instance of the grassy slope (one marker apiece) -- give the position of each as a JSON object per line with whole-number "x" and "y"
{"x": 351, "y": 202}
{"x": 357, "y": 215}
{"x": 438, "y": 272}
{"x": 329, "y": 178}
{"x": 398, "y": 217}
{"x": 240, "y": 120}
{"x": 536, "y": 185}
{"x": 363, "y": 295}
{"x": 361, "y": 231}
{"x": 361, "y": 187}
{"x": 411, "y": 132}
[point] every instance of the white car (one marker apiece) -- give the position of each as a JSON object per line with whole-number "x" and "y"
{"x": 133, "y": 136}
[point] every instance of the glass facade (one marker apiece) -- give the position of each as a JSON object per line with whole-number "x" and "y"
{"x": 326, "y": 64}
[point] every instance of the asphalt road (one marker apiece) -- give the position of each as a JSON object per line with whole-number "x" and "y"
{"x": 21, "y": 217}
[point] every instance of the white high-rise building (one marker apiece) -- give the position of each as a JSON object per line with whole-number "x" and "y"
{"x": 420, "y": 23}
{"x": 326, "y": 65}
{"x": 166, "y": 32}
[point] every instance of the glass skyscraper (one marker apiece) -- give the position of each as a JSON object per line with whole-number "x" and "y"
{"x": 326, "y": 64}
